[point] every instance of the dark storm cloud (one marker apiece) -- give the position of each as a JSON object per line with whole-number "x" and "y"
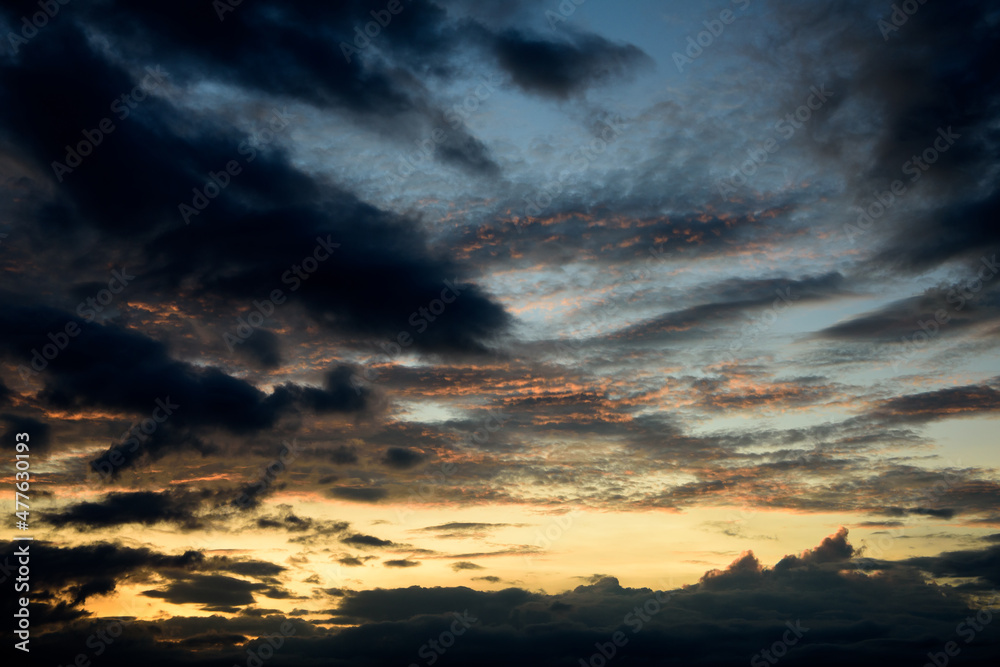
{"x": 849, "y": 622}
{"x": 39, "y": 433}
{"x": 254, "y": 208}
{"x": 943, "y": 311}
{"x": 934, "y": 73}
{"x": 732, "y": 299}
{"x": 806, "y": 288}
{"x": 129, "y": 451}
{"x": 78, "y": 573}
{"x": 341, "y": 455}
{"x": 379, "y": 278}
{"x": 963, "y": 230}
{"x": 310, "y": 51}
{"x": 107, "y": 366}
{"x": 99, "y": 560}
{"x": 466, "y": 151}
{"x": 969, "y": 400}
{"x": 143, "y": 507}
{"x": 215, "y": 590}
{"x": 833, "y": 549}
{"x": 560, "y": 69}
{"x": 983, "y": 565}
{"x": 403, "y": 458}
{"x": 292, "y": 50}
{"x": 726, "y": 618}
{"x": 258, "y": 569}
{"x": 284, "y": 49}
{"x": 381, "y": 273}
{"x": 359, "y": 494}
{"x": 143, "y": 372}
{"x": 262, "y": 348}
{"x": 213, "y": 640}
{"x": 81, "y": 572}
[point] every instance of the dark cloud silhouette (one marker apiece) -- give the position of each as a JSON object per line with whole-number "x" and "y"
{"x": 355, "y": 561}
{"x": 80, "y": 376}
{"x": 941, "y": 404}
{"x": 143, "y": 507}
{"x": 466, "y": 565}
{"x": 358, "y": 494}
{"x": 983, "y": 565}
{"x": 560, "y": 69}
{"x": 360, "y": 540}
{"x": 212, "y": 590}
{"x": 342, "y": 454}
{"x": 39, "y": 433}
{"x": 403, "y": 458}
{"x": 728, "y": 617}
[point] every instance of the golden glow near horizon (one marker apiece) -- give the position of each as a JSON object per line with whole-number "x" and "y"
{"x": 522, "y": 548}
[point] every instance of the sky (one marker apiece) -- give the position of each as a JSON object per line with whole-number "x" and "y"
{"x": 469, "y": 333}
